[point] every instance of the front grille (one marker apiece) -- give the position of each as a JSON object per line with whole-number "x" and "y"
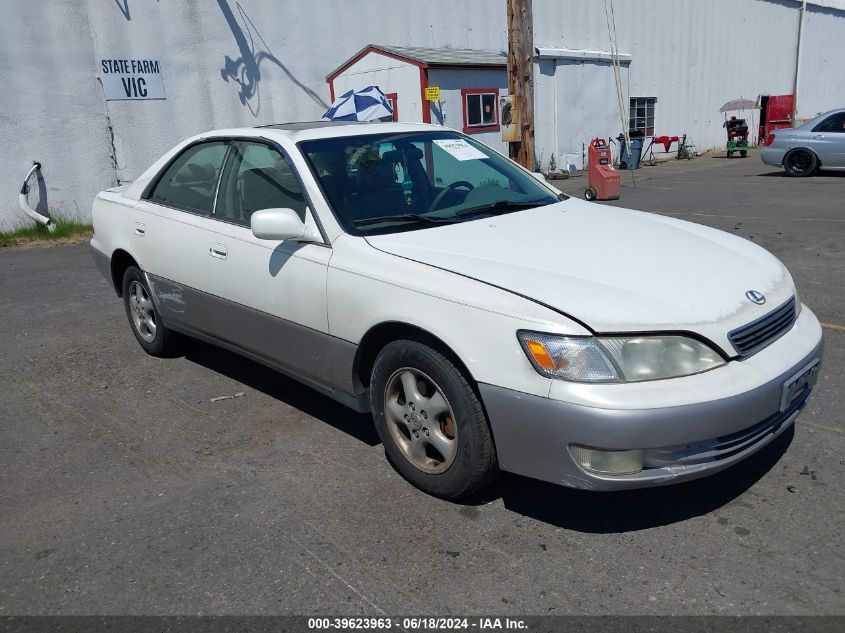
{"x": 757, "y": 334}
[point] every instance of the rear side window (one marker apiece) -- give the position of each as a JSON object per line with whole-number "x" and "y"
{"x": 833, "y": 123}
{"x": 191, "y": 180}
{"x": 257, "y": 177}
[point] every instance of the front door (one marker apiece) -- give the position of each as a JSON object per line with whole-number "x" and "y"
{"x": 271, "y": 296}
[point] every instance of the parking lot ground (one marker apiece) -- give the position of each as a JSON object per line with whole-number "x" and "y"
{"x": 125, "y": 489}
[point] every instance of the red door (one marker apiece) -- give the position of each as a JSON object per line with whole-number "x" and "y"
{"x": 776, "y": 113}
{"x": 394, "y": 104}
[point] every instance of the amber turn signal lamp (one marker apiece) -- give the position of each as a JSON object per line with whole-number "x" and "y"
{"x": 540, "y": 354}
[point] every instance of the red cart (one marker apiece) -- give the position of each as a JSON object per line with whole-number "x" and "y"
{"x": 602, "y": 178}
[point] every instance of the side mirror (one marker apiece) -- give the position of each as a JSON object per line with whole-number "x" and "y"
{"x": 279, "y": 224}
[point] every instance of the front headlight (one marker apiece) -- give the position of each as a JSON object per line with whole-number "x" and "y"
{"x": 617, "y": 358}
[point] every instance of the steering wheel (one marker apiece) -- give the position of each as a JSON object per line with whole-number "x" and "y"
{"x": 458, "y": 183}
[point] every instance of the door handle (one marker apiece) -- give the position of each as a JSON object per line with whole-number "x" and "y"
{"x": 140, "y": 229}
{"x": 218, "y": 250}
{"x": 818, "y": 136}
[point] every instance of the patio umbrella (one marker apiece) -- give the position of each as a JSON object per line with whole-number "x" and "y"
{"x": 366, "y": 104}
{"x": 738, "y": 104}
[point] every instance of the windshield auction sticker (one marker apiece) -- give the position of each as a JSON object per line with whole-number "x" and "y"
{"x": 459, "y": 149}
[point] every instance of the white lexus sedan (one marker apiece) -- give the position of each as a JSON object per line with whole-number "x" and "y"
{"x": 487, "y": 321}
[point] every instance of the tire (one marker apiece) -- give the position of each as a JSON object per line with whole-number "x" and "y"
{"x": 448, "y": 453}
{"x": 150, "y": 332}
{"x": 730, "y": 154}
{"x": 743, "y": 154}
{"x": 800, "y": 163}
{"x": 590, "y": 194}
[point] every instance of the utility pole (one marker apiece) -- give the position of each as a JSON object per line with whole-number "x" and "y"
{"x": 521, "y": 77}
{"x": 801, "y": 11}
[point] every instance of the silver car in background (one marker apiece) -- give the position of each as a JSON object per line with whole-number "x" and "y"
{"x": 801, "y": 151}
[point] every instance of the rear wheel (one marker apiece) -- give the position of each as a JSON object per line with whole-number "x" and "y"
{"x": 430, "y": 421}
{"x": 743, "y": 153}
{"x": 151, "y": 333}
{"x": 800, "y": 162}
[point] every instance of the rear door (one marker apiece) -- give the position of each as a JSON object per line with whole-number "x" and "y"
{"x": 173, "y": 232}
{"x": 828, "y": 140}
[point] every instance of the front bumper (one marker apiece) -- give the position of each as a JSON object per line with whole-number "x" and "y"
{"x": 772, "y": 156}
{"x": 680, "y": 442}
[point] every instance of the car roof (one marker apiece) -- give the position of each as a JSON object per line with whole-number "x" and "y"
{"x": 811, "y": 123}
{"x": 310, "y": 130}
{"x": 335, "y": 129}
{"x": 821, "y": 115}
{"x": 297, "y": 126}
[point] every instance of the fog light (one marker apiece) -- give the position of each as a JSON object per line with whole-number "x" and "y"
{"x": 608, "y": 462}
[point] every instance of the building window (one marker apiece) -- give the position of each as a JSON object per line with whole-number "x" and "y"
{"x": 394, "y": 104}
{"x": 642, "y": 115}
{"x": 481, "y": 109}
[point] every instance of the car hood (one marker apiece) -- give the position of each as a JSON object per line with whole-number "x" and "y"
{"x": 613, "y": 269}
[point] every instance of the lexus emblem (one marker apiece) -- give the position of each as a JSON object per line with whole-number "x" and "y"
{"x": 756, "y": 297}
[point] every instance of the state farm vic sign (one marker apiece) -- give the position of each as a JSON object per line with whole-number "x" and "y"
{"x": 131, "y": 79}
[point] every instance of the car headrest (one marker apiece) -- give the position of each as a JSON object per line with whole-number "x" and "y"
{"x": 194, "y": 172}
{"x": 411, "y": 152}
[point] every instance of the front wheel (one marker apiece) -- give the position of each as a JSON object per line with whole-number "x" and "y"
{"x": 800, "y": 162}
{"x": 430, "y": 421}
{"x": 590, "y": 194}
{"x": 151, "y": 333}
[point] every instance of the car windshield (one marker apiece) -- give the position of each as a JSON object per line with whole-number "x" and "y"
{"x": 384, "y": 183}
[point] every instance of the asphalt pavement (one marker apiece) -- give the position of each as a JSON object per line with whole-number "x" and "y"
{"x": 124, "y": 489}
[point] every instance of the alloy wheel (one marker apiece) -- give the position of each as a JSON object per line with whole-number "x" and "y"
{"x": 143, "y": 312}
{"x": 800, "y": 162}
{"x": 421, "y": 420}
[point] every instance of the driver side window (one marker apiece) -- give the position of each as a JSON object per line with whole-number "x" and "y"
{"x": 256, "y": 176}
{"x": 190, "y": 180}
{"x": 833, "y": 123}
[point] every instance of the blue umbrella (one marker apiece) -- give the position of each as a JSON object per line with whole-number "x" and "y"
{"x": 366, "y": 104}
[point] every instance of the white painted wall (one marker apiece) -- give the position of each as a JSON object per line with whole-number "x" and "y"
{"x": 250, "y": 62}
{"x": 389, "y": 74}
{"x": 51, "y": 110}
{"x": 822, "y": 81}
{"x": 687, "y": 55}
{"x": 225, "y": 63}
{"x": 574, "y": 102}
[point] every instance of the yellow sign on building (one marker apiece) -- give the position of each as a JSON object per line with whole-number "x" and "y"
{"x": 432, "y": 93}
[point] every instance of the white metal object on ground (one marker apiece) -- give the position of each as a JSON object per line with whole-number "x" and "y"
{"x": 24, "y": 203}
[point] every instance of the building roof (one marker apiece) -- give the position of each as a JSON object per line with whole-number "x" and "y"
{"x": 448, "y": 56}
{"x": 839, "y": 5}
{"x": 430, "y": 57}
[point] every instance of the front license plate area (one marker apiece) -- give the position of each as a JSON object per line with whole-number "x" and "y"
{"x": 795, "y": 386}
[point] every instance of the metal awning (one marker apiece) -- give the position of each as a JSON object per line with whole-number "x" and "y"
{"x": 543, "y": 52}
